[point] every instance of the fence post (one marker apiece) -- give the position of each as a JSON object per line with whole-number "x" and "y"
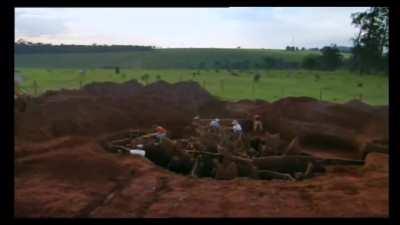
{"x": 252, "y": 88}
{"x": 320, "y": 94}
{"x": 35, "y": 88}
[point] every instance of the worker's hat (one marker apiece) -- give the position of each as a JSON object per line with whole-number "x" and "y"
{"x": 216, "y": 119}
{"x": 235, "y": 122}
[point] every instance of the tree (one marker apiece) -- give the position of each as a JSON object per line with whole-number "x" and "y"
{"x": 256, "y": 77}
{"x": 372, "y": 41}
{"x": 331, "y": 58}
{"x": 290, "y": 48}
{"x": 145, "y": 78}
{"x": 311, "y": 62}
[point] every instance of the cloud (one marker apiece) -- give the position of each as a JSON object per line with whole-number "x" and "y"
{"x": 309, "y": 27}
{"x": 37, "y": 23}
{"x": 261, "y": 27}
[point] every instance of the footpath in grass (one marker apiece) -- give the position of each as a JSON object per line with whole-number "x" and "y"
{"x": 338, "y": 86}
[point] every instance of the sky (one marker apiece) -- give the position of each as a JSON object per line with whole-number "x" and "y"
{"x": 247, "y": 27}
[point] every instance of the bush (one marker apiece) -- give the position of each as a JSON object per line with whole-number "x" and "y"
{"x": 310, "y": 62}
{"x": 256, "y": 77}
{"x": 331, "y": 58}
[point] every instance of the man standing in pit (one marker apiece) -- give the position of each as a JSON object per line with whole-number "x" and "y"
{"x": 161, "y": 133}
{"x": 214, "y": 125}
{"x": 257, "y": 124}
{"x": 237, "y": 130}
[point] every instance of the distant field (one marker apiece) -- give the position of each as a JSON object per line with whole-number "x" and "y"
{"x": 339, "y": 86}
{"x": 156, "y": 59}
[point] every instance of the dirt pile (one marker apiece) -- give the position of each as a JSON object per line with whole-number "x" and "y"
{"x": 324, "y": 124}
{"x": 75, "y": 177}
{"x": 67, "y": 177}
{"x": 107, "y": 107}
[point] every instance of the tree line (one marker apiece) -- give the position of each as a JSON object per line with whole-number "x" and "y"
{"x": 330, "y": 59}
{"x": 343, "y": 49}
{"x": 26, "y": 47}
{"x": 266, "y": 62}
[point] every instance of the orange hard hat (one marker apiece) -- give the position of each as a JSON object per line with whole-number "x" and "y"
{"x": 161, "y": 129}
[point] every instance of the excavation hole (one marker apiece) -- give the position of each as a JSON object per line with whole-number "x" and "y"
{"x": 202, "y": 157}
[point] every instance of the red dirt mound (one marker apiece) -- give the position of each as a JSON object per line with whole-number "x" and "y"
{"x": 66, "y": 179}
{"x": 107, "y": 107}
{"x": 325, "y": 124}
{"x": 126, "y": 89}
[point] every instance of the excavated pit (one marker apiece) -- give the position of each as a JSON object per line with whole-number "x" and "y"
{"x": 60, "y": 157}
{"x": 213, "y": 154}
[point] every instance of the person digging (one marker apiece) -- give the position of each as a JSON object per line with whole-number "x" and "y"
{"x": 215, "y": 125}
{"x": 257, "y": 124}
{"x": 160, "y": 134}
{"x": 237, "y": 130}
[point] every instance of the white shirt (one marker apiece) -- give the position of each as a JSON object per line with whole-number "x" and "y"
{"x": 214, "y": 123}
{"x": 237, "y": 127}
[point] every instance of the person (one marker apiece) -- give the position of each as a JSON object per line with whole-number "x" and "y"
{"x": 214, "y": 125}
{"x": 160, "y": 134}
{"x": 237, "y": 129}
{"x": 195, "y": 121}
{"x": 195, "y": 125}
{"x": 257, "y": 124}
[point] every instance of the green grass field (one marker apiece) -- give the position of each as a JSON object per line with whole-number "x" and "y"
{"x": 171, "y": 58}
{"x": 339, "y": 86}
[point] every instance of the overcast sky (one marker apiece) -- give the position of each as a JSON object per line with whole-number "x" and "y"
{"x": 260, "y": 27}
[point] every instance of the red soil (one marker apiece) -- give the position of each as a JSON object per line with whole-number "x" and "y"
{"x": 61, "y": 171}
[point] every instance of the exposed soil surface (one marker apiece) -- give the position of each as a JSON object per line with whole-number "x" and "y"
{"x": 62, "y": 170}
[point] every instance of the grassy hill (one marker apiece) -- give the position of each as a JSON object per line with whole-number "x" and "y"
{"x": 157, "y": 59}
{"x": 338, "y": 86}
{"x": 54, "y": 71}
